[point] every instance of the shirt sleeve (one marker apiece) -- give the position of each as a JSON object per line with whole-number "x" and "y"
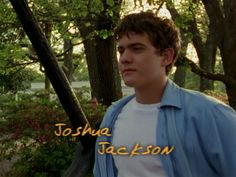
{"x": 222, "y": 140}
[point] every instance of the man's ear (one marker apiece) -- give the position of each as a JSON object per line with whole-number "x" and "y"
{"x": 168, "y": 55}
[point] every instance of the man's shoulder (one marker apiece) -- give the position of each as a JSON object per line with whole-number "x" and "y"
{"x": 199, "y": 106}
{"x": 192, "y": 98}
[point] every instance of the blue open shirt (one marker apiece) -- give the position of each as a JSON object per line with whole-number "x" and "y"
{"x": 202, "y": 130}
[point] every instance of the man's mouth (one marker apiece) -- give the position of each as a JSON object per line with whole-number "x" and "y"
{"x": 128, "y": 70}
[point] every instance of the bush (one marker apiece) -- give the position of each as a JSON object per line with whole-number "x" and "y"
{"x": 49, "y": 159}
{"x": 30, "y": 125}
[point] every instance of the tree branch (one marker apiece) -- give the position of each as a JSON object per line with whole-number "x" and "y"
{"x": 197, "y": 70}
{"x": 19, "y": 64}
{"x": 68, "y": 49}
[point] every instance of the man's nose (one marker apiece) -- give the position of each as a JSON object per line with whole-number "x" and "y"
{"x": 125, "y": 57}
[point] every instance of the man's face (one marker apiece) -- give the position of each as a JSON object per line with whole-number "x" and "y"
{"x": 140, "y": 63}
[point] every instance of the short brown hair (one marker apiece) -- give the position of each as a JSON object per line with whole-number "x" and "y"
{"x": 162, "y": 32}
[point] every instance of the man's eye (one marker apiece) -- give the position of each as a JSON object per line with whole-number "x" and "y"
{"x": 137, "y": 49}
{"x": 120, "y": 50}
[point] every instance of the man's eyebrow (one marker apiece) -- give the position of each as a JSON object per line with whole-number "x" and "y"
{"x": 136, "y": 44}
{"x": 132, "y": 45}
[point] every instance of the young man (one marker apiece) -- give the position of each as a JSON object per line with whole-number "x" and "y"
{"x": 198, "y": 132}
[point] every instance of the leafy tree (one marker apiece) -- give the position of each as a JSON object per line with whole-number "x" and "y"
{"x": 194, "y": 25}
{"x": 95, "y": 21}
{"x": 13, "y": 75}
{"x": 95, "y": 26}
{"x": 217, "y": 31}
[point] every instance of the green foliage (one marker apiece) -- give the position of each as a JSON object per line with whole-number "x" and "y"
{"x": 36, "y": 111}
{"x": 104, "y": 33}
{"x": 190, "y": 10}
{"x": 6, "y": 12}
{"x": 110, "y": 2}
{"x": 49, "y": 159}
{"x": 75, "y": 9}
{"x": 17, "y": 80}
{"x": 37, "y": 76}
{"x": 192, "y": 81}
{"x": 28, "y": 127}
{"x": 63, "y": 16}
{"x": 14, "y": 74}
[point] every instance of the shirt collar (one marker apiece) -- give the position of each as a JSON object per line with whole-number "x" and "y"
{"x": 171, "y": 95}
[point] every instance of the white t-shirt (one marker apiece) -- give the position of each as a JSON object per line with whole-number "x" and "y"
{"x": 137, "y": 124}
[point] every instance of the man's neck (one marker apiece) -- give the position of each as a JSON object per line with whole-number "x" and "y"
{"x": 152, "y": 93}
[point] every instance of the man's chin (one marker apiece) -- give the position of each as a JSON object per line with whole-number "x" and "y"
{"x": 129, "y": 83}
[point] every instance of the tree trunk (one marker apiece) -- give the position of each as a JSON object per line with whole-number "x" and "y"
{"x": 228, "y": 49}
{"x": 206, "y": 52}
{"x": 108, "y": 74}
{"x": 101, "y": 59}
{"x": 90, "y": 52}
{"x": 47, "y": 28}
{"x": 68, "y": 67}
{"x": 228, "y": 53}
{"x": 223, "y": 20}
{"x": 207, "y": 60}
